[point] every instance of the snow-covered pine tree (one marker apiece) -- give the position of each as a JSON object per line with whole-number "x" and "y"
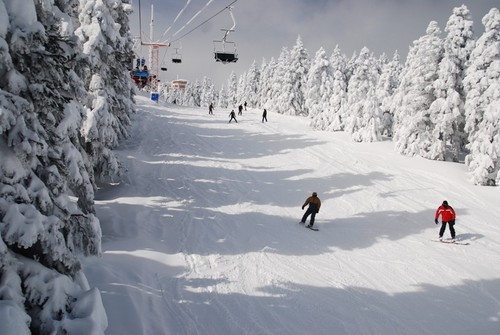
{"x": 107, "y": 45}
{"x": 338, "y": 99}
{"x": 260, "y": 101}
{"x": 207, "y": 92}
{"x": 166, "y": 93}
{"x": 291, "y": 98}
{"x": 42, "y": 229}
{"x": 363, "y": 108}
{"x": 241, "y": 89}
{"x": 222, "y": 101}
{"x": 319, "y": 90}
{"x": 412, "y": 123}
{"x": 351, "y": 64}
{"x": 266, "y": 82}
{"x": 232, "y": 89}
{"x": 447, "y": 111}
{"x": 172, "y": 95}
{"x": 192, "y": 94}
{"x": 278, "y": 81}
{"x": 482, "y": 106}
{"x": 387, "y": 84}
{"x": 252, "y": 85}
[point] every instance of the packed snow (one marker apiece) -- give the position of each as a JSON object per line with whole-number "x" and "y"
{"x": 203, "y": 237}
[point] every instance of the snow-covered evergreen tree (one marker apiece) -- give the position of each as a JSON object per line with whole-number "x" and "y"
{"x": 447, "y": 111}
{"x": 386, "y": 87}
{"x": 42, "y": 227}
{"x": 266, "y": 83}
{"x": 291, "y": 98}
{"x": 191, "y": 96}
{"x": 241, "y": 89}
{"x": 251, "y": 89}
{"x": 107, "y": 45}
{"x": 351, "y": 64}
{"x": 279, "y": 79}
{"x": 207, "y": 92}
{"x": 413, "y": 125}
{"x": 172, "y": 95}
{"x": 338, "y": 99}
{"x": 319, "y": 89}
{"x": 482, "y": 106}
{"x": 232, "y": 89}
{"x": 222, "y": 101}
{"x": 362, "y": 104}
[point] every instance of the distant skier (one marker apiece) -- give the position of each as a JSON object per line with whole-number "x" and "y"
{"x": 264, "y": 115}
{"x": 447, "y": 217}
{"x": 232, "y": 116}
{"x": 240, "y": 110}
{"x": 314, "y": 204}
{"x": 245, "y": 104}
{"x": 211, "y": 109}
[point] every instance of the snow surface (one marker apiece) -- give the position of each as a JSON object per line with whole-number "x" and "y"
{"x": 202, "y": 237}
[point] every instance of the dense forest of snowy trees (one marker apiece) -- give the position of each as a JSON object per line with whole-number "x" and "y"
{"x": 65, "y": 101}
{"x": 442, "y": 104}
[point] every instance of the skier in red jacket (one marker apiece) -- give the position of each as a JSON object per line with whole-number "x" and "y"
{"x": 447, "y": 216}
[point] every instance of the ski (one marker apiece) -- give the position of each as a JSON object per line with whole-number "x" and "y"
{"x": 451, "y": 242}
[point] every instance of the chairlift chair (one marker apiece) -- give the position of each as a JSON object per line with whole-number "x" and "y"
{"x": 176, "y": 57}
{"x": 223, "y": 54}
{"x": 220, "y": 52}
{"x": 163, "y": 66}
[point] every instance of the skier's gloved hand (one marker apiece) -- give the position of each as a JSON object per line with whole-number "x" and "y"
{"x": 302, "y": 207}
{"x": 436, "y": 221}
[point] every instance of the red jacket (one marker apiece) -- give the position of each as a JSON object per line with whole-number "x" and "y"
{"x": 447, "y": 213}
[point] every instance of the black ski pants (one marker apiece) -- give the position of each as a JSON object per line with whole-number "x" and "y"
{"x": 443, "y": 228}
{"x": 312, "y": 212}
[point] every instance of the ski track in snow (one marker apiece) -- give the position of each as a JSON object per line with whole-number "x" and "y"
{"x": 202, "y": 236}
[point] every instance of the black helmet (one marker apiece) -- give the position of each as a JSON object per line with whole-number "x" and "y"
{"x": 445, "y": 203}
{"x": 315, "y": 194}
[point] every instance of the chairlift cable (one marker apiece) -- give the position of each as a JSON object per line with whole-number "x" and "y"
{"x": 204, "y": 22}
{"x": 191, "y": 19}
{"x": 176, "y": 18}
{"x": 163, "y": 59}
{"x": 140, "y": 22}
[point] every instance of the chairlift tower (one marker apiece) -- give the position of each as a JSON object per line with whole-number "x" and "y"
{"x": 154, "y": 57}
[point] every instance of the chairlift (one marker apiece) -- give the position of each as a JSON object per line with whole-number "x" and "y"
{"x": 221, "y": 52}
{"x": 163, "y": 67}
{"x": 176, "y": 57}
{"x": 140, "y": 75}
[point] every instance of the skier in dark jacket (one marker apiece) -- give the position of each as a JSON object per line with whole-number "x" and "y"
{"x": 232, "y": 116}
{"x": 264, "y": 115}
{"x": 211, "y": 109}
{"x": 314, "y": 204}
{"x": 240, "y": 110}
{"x": 447, "y": 217}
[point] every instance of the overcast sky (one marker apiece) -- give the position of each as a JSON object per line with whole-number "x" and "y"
{"x": 263, "y": 27}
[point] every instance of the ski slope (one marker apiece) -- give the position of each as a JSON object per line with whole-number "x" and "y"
{"x": 202, "y": 235}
